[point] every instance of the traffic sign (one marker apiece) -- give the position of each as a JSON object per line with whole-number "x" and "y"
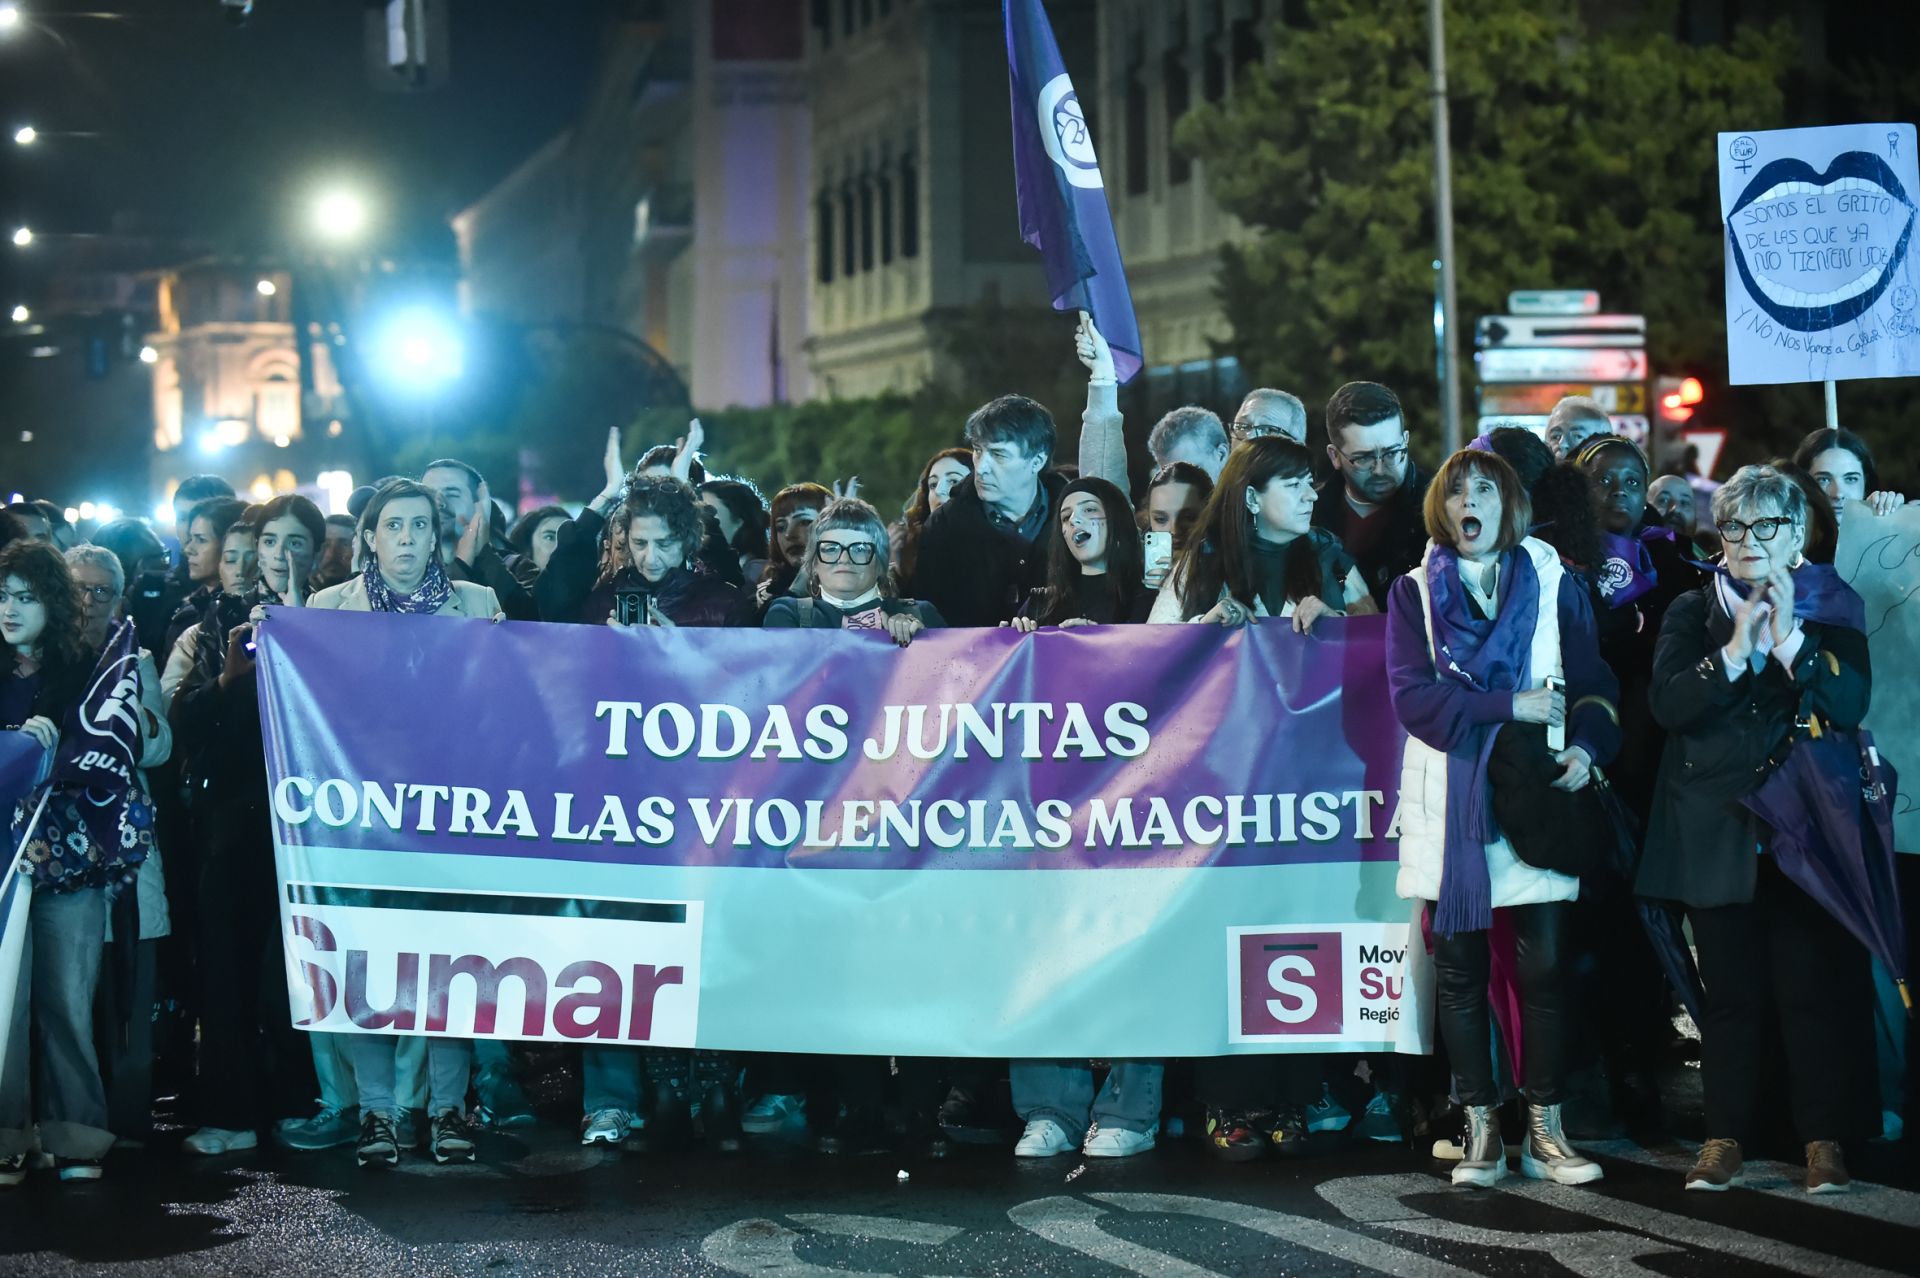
{"x": 1540, "y": 397}
{"x": 1710, "y": 440}
{"x": 1633, "y": 426}
{"x": 1562, "y": 364}
{"x": 1554, "y": 301}
{"x": 1574, "y": 330}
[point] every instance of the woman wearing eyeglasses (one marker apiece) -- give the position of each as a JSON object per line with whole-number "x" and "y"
{"x": 845, "y": 582}
{"x": 1258, "y": 554}
{"x": 1769, "y": 639}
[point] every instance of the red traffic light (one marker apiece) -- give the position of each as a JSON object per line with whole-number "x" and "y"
{"x": 1677, "y": 404}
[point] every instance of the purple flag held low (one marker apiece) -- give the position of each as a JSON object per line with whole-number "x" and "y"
{"x": 1063, "y": 205}
{"x": 100, "y": 745}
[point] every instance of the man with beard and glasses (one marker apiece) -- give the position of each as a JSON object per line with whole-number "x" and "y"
{"x": 1377, "y": 513}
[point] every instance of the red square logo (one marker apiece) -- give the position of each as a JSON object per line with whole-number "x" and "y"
{"x": 1291, "y": 983}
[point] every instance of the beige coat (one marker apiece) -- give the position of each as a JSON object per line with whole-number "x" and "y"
{"x": 467, "y": 599}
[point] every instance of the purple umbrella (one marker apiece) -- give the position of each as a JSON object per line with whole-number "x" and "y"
{"x": 1830, "y": 806}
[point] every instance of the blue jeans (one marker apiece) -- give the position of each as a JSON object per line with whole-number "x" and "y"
{"x": 52, "y": 1072}
{"x": 449, "y": 1062}
{"x": 1063, "y": 1091}
{"x": 610, "y": 1078}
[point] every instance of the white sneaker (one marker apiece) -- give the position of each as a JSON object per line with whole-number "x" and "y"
{"x": 1327, "y": 1114}
{"x": 1116, "y": 1142}
{"x": 219, "y": 1140}
{"x": 605, "y": 1127}
{"x": 1043, "y": 1138}
{"x": 772, "y": 1113}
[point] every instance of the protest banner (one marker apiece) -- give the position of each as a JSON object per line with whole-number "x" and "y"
{"x": 1820, "y": 279}
{"x": 1110, "y": 842}
{"x": 1879, "y": 556}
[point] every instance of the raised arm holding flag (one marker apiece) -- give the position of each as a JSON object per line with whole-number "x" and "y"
{"x": 1063, "y": 204}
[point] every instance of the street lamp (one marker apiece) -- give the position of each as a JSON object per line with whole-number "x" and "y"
{"x": 25, "y": 135}
{"x": 9, "y": 17}
{"x": 148, "y": 355}
{"x": 266, "y": 288}
{"x": 22, "y": 236}
{"x": 21, "y": 314}
{"x": 339, "y": 215}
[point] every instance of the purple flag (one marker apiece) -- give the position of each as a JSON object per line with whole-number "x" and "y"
{"x": 1063, "y": 206}
{"x": 100, "y": 744}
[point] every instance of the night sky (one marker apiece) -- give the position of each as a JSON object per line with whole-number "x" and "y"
{"x": 215, "y": 133}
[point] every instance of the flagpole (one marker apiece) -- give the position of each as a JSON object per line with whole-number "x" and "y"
{"x": 1443, "y": 219}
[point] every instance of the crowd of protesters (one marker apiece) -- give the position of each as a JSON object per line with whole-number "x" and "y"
{"x": 1573, "y": 643}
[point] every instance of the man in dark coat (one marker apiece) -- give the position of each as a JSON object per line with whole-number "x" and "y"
{"x": 1377, "y": 514}
{"x": 983, "y": 552}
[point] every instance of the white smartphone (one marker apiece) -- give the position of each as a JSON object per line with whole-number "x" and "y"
{"x": 1158, "y": 547}
{"x": 1557, "y": 732}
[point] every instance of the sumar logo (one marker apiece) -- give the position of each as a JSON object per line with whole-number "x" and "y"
{"x": 1063, "y": 128}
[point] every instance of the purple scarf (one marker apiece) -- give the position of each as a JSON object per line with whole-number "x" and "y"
{"x": 1820, "y": 594}
{"x": 1486, "y": 656}
{"x": 432, "y": 592}
{"x": 1626, "y": 571}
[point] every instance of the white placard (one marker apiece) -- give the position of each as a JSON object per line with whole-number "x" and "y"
{"x": 1820, "y": 277}
{"x": 493, "y": 965}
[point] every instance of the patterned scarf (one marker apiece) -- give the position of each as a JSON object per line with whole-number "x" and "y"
{"x": 428, "y": 597}
{"x": 1486, "y": 656}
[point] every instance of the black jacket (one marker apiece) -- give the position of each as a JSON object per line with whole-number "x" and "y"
{"x": 977, "y": 572}
{"x": 560, "y": 591}
{"x": 1702, "y": 844}
{"x": 1401, "y": 543}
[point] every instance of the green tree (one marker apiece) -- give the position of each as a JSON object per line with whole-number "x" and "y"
{"x": 1582, "y": 157}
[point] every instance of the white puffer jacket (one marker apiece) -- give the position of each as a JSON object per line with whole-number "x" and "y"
{"x": 1423, "y": 772}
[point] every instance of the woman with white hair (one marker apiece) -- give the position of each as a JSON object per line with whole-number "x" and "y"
{"x": 1771, "y": 640}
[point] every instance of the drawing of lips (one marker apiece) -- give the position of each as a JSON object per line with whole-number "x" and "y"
{"x": 1805, "y": 312}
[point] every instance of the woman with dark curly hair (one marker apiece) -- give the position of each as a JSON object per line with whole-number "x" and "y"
{"x": 42, "y": 624}
{"x": 944, "y": 471}
{"x": 657, "y": 585}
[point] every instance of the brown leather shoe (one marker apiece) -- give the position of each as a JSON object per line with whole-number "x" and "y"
{"x": 1826, "y": 1170}
{"x": 1718, "y": 1167}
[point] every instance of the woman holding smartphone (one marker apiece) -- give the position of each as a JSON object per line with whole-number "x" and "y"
{"x": 216, "y": 721}
{"x": 1256, "y": 552}
{"x": 658, "y": 586}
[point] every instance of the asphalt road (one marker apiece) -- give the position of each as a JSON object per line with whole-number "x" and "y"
{"x": 538, "y": 1203}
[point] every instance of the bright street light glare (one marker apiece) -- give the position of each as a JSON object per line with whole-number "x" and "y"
{"x": 148, "y": 355}
{"x": 25, "y": 135}
{"x": 420, "y": 349}
{"x": 21, "y": 314}
{"x": 339, "y": 215}
{"x": 22, "y": 236}
{"x": 266, "y": 288}
{"x": 9, "y": 17}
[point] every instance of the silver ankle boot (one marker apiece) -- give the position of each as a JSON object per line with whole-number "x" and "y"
{"x": 1483, "y": 1163}
{"x": 1547, "y": 1155}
